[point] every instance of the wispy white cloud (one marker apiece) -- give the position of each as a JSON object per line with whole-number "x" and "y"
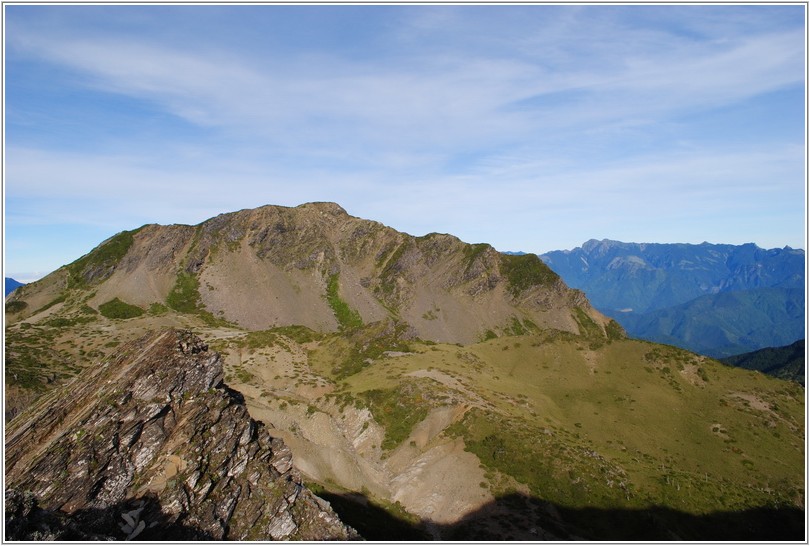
{"x": 501, "y": 125}
{"x": 449, "y": 100}
{"x": 514, "y": 203}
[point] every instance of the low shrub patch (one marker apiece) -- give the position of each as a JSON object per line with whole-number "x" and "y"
{"x": 117, "y": 309}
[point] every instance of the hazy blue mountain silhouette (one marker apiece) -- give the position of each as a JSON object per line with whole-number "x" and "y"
{"x": 11, "y": 285}
{"x": 714, "y": 299}
{"x": 726, "y": 324}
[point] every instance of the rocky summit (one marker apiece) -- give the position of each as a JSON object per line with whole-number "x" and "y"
{"x": 151, "y": 444}
{"x": 317, "y": 266}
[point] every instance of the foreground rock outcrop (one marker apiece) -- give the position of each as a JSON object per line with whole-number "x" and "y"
{"x": 152, "y": 444}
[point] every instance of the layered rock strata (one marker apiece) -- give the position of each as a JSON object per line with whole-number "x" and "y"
{"x": 152, "y": 444}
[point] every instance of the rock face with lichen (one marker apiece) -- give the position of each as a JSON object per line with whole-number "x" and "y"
{"x": 152, "y": 444}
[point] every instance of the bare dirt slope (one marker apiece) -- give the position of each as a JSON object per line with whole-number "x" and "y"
{"x": 431, "y": 475}
{"x": 274, "y": 266}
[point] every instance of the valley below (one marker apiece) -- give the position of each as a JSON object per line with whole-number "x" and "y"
{"x": 427, "y": 389}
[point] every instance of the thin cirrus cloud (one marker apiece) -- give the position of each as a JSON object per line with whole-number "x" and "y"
{"x": 493, "y": 124}
{"x": 277, "y": 102}
{"x": 451, "y": 96}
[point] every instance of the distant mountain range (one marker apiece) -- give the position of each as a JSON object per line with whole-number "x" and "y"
{"x": 11, "y": 285}
{"x": 714, "y": 299}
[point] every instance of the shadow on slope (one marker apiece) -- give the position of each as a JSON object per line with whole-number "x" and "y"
{"x": 25, "y": 521}
{"x": 525, "y": 518}
{"x": 371, "y": 520}
{"x": 512, "y": 517}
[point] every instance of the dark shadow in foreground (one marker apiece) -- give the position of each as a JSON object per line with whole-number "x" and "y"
{"x": 25, "y": 520}
{"x": 372, "y": 521}
{"x": 512, "y": 517}
{"x": 520, "y": 517}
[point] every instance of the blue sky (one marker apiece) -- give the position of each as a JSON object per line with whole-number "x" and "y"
{"x": 531, "y": 128}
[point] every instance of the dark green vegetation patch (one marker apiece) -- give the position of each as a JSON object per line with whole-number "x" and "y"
{"x": 185, "y": 294}
{"x": 347, "y": 318}
{"x": 523, "y": 272}
{"x": 587, "y": 326}
{"x": 117, "y": 309}
{"x": 64, "y": 322}
{"x": 614, "y": 331}
{"x": 184, "y": 297}
{"x": 15, "y": 306}
{"x": 517, "y": 328}
{"x": 398, "y": 410}
{"x": 99, "y": 263}
{"x": 158, "y": 309}
{"x": 390, "y": 269}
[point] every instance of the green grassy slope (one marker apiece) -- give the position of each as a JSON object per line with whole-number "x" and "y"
{"x": 595, "y": 429}
{"x": 631, "y": 424}
{"x": 587, "y": 424}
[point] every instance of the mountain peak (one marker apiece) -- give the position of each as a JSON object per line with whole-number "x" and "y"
{"x": 325, "y": 206}
{"x": 315, "y": 265}
{"x": 601, "y": 246}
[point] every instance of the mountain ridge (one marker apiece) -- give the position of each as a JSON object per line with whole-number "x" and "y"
{"x": 716, "y": 268}
{"x": 726, "y": 324}
{"x": 787, "y": 362}
{"x": 279, "y": 263}
{"x": 678, "y": 292}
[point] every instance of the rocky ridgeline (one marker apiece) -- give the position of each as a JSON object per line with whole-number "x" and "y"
{"x": 279, "y": 266}
{"x": 152, "y": 445}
